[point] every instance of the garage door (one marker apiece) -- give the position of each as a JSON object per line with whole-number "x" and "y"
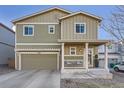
{"x": 39, "y": 61}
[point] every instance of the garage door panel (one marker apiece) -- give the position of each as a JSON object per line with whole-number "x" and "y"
{"x": 39, "y": 61}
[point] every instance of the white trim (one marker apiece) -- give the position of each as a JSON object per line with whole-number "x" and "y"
{"x": 43, "y": 11}
{"x": 28, "y": 26}
{"x": 38, "y": 43}
{"x": 15, "y": 60}
{"x": 30, "y": 23}
{"x": 74, "y": 50}
{"x": 61, "y": 32}
{"x": 62, "y": 57}
{"x": 38, "y": 52}
{"x": 15, "y": 51}
{"x": 58, "y": 54}
{"x": 20, "y": 66}
{"x": 51, "y": 49}
{"x": 79, "y": 23}
{"x": 72, "y": 14}
{"x": 106, "y": 56}
{"x": 86, "y": 56}
{"x": 53, "y": 26}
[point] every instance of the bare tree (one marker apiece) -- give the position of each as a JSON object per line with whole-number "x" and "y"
{"x": 115, "y": 24}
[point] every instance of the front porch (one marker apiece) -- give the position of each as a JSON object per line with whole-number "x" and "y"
{"x": 96, "y": 73}
{"x": 83, "y": 61}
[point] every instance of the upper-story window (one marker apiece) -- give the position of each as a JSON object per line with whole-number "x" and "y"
{"x": 80, "y": 28}
{"x": 28, "y": 30}
{"x": 72, "y": 50}
{"x": 51, "y": 29}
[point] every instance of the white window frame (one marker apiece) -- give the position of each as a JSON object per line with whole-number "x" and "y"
{"x": 49, "y": 26}
{"x": 70, "y": 50}
{"x": 75, "y": 60}
{"x": 84, "y": 28}
{"x": 28, "y": 26}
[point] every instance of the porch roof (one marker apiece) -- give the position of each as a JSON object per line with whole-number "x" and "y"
{"x": 91, "y": 42}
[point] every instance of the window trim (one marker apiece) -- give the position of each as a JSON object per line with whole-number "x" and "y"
{"x": 84, "y": 28}
{"x": 75, "y": 50}
{"x": 28, "y": 26}
{"x": 53, "y": 29}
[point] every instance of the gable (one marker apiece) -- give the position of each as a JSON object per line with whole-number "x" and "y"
{"x": 80, "y": 18}
{"x": 68, "y": 27}
{"x": 52, "y": 15}
{"x": 91, "y": 16}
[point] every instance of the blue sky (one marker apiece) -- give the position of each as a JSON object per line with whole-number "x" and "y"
{"x": 9, "y": 12}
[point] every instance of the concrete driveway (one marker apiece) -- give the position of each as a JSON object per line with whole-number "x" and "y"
{"x": 30, "y": 79}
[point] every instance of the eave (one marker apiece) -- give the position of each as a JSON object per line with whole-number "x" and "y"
{"x": 91, "y": 42}
{"x": 84, "y": 13}
{"x": 40, "y": 12}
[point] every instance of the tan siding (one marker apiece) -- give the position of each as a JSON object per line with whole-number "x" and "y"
{"x": 51, "y": 16}
{"x": 68, "y": 27}
{"x": 41, "y": 34}
{"x": 79, "y": 49}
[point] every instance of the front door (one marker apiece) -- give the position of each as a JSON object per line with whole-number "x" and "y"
{"x": 90, "y": 57}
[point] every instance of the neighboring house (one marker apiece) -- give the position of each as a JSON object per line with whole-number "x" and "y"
{"x": 115, "y": 53}
{"x": 57, "y": 39}
{"x": 7, "y": 44}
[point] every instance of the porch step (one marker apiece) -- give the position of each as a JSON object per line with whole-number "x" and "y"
{"x": 75, "y": 76}
{"x": 74, "y": 71}
{"x": 82, "y": 73}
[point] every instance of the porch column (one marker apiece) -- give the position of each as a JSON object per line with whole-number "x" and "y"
{"x": 106, "y": 56}
{"x": 86, "y": 56}
{"x": 62, "y": 55}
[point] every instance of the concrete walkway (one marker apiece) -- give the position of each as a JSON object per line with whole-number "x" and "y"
{"x": 30, "y": 79}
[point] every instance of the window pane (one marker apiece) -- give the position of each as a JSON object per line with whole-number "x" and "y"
{"x": 82, "y": 28}
{"x": 26, "y": 30}
{"x": 30, "y": 30}
{"x": 51, "y": 29}
{"x": 77, "y": 28}
{"x": 72, "y": 52}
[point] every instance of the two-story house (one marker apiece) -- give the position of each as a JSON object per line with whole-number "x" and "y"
{"x": 57, "y": 39}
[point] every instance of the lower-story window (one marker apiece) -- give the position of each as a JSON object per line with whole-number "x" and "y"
{"x": 73, "y": 63}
